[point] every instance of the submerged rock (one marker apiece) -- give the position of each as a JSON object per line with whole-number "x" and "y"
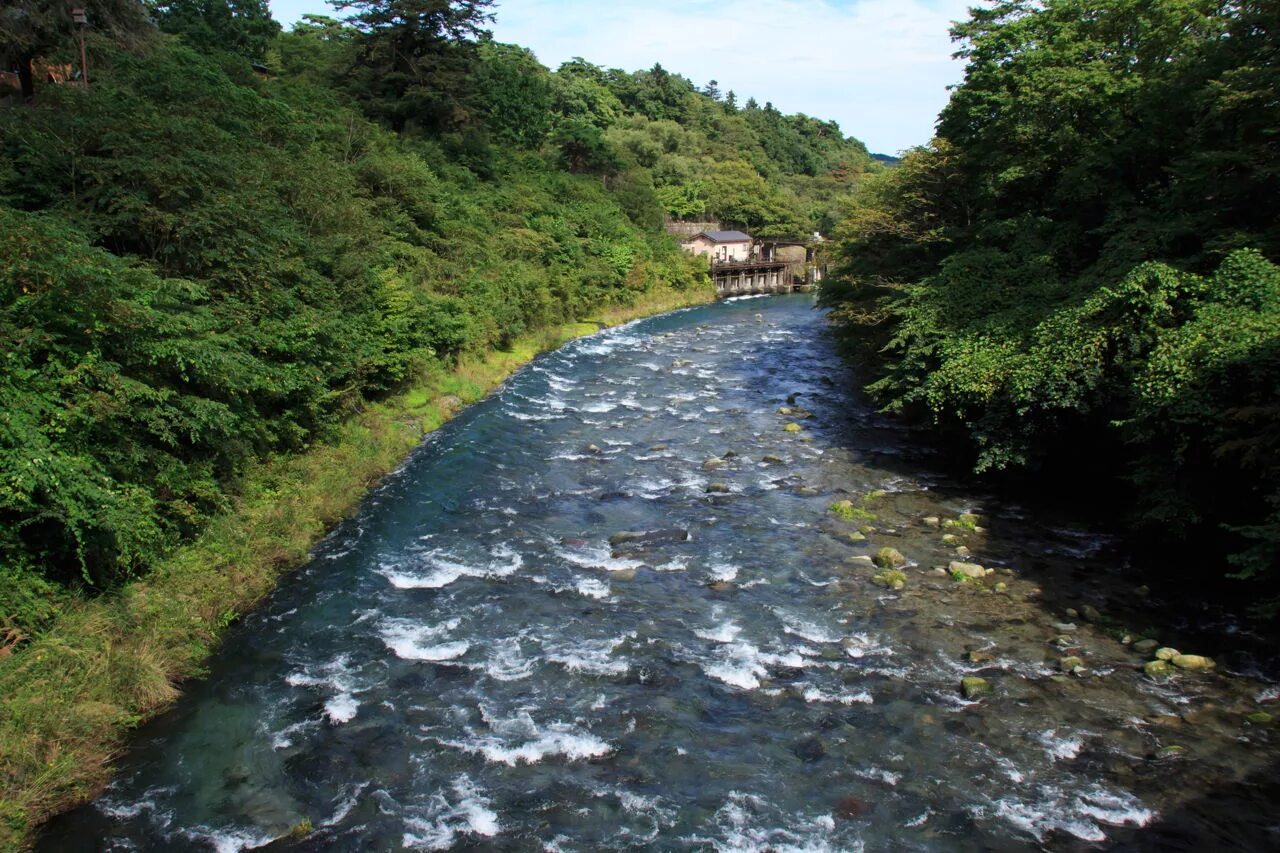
{"x": 890, "y": 558}
{"x": 1260, "y": 718}
{"x": 773, "y": 460}
{"x": 809, "y": 750}
{"x": 974, "y": 687}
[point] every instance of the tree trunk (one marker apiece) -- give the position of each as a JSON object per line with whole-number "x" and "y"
{"x": 25, "y": 78}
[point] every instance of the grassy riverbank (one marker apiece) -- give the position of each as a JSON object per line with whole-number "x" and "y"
{"x": 109, "y": 664}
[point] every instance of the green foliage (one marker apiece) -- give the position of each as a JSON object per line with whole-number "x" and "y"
{"x": 249, "y": 262}
{"x": 1084, "y": 256}
{"x": 243, "y": 27}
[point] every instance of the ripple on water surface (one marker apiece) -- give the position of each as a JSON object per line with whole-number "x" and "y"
{"x": 470, "y": 662}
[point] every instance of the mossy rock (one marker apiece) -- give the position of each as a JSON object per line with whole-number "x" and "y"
{"x": 890, "y": 558}
{"x": 967, "y": 521}
{"x": 974, "y": 687}
{"x": 891, "y": 579}
{"x": 1158, "y": 669}
{"x": 849, "y": 511}
{"x": 1167, "y": 653}
{"x": 793, "y": 427}
{"x": 301, "y": 829}
{"x": 1260, "y": 718}
{"x": 1071, "y": 663}
{"x": 1193, "y": 663}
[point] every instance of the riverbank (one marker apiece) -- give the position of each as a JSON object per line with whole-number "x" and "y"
{"x": 109, "y": 664}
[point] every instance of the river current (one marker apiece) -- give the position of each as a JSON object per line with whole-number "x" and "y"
{"x": 469, "y": 663}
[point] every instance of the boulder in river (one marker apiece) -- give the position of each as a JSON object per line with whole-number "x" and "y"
{"x": 974, "y": 687}
{"x": 1090, "y": 614}
{"x": 718, "y": 488}
{"x": 1146, "y": 647}
{"x": 1158, "y": 669}
{"x": 1071, "y": 663}
{"x": 773, "y": 460}
{"x": 593, "y": 448}
{"x": 966, "y": 570}
{"x": 931, "y": 521}
{"x": 891, "y": 579}
{"x": 793, "y": 427}
{"x": 890, "y": 558}
{"x": 641, "y": 538}
{"x": 712, "y": 464}
{"x": 1167, "y": 653}
{"x": 1193, "y": 663}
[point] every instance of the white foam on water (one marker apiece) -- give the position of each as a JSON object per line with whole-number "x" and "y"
{"x": 464, "y": 812}
{"x": 725, "y": 632}
{"x": 341, "y": 708}
{"x": 814, "y": 633}
{"x": 1082, "y": 814}
{"x": 592, "y": 588}
{"x": 335, "y": 676}
{"x": 446, "y": 568}
{"x": 861, "y": 697}
{"x": 519, "y": 740}
{"x": 1061, "y": 748}
{"x": 738, "y": 666}
{"x": 599, "y": 408}
{"x": 596, "y": 557}
{"x": 877, "y": 774}
{"x": 506, "y": 660}
{"x": 410, "y": 641}
{"x": 747, "y": 826}
{"x": 228, "y": 840}
{"x": 722, "y": 571}
{"x": 593, "y": 657}
{"x": 676, "y": 564}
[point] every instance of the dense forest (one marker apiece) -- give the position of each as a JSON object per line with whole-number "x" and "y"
{"x": 1079, "y": 271}
{"x": 234, "y": 237}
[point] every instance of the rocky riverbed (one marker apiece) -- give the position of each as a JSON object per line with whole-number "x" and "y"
{"x": 677, "y": 587}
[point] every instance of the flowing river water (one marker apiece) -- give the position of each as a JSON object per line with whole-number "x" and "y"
{"x": 469, "y": 663}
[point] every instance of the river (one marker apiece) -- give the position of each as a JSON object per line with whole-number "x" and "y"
{"x": 469, "y": 663}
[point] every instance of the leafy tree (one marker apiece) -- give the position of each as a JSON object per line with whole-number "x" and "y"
{"x": 413, "y": 58}
{"x": 1085, "y": 257}
{"x": 244, "y": 27}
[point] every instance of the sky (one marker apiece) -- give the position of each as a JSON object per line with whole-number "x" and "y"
{"x": 880, "y": 68}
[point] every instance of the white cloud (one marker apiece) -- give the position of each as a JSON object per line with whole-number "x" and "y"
{"x": 878, "y": 67}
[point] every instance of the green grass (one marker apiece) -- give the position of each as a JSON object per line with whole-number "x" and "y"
{"x": 69, "y": 697}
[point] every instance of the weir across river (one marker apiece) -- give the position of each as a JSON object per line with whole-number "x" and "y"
{"x": 744, "y": 278}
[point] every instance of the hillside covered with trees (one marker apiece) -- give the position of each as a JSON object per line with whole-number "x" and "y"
{"x": 1079, "y": 271}
{"x": 203, "y": 265}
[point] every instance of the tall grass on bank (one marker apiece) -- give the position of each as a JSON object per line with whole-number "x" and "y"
{"x": 69, "y": 698}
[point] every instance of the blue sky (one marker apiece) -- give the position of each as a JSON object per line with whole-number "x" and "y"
{"x": 878, "y": 67}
